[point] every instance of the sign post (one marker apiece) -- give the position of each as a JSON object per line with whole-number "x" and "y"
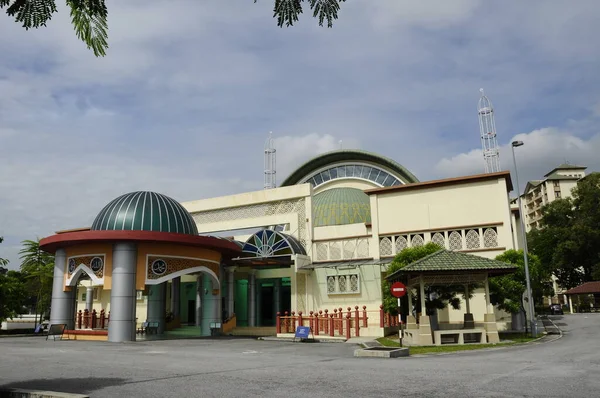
{"x": 398, "y": 290}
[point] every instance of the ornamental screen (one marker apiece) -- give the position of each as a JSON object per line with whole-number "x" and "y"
{"x": 269, "y": 243}
{"x": 376, "y": 175}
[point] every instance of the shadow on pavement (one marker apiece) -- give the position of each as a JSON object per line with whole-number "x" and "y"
{"x": 81, "y": 385}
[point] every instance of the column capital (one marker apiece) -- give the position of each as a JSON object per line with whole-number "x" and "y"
{"x": 231, "y": 268}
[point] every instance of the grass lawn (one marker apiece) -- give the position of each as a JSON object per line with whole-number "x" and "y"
{"x": 392, "y": 341}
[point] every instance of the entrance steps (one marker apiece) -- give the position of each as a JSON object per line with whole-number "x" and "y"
{"x": 260, "y": 331}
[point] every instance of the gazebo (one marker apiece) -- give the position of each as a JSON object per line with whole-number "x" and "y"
{"x": 586, "y": 289}
{"x": 447, "y": 268}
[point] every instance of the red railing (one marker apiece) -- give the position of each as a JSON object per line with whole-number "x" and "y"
{"x": 92, "y": 320}
{"x": 386, "y": 319}
{"x": 339, "y": 323}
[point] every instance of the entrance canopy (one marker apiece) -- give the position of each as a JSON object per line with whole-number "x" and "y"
{"x": 448, "y": 268}
{"x": 270, "y": 249}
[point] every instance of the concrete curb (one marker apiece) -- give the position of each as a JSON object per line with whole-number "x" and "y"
{"x": 23, "y": 393}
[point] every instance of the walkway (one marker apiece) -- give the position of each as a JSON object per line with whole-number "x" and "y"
{"x": 567, "y": 367}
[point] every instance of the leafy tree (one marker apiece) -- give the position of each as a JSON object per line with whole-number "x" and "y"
{"x": 568, "y": 244}
{"x": 12, "y": 294}
{"x": 437, "y": 297}
{"x": 3, "y": 261}
{"x": 89, "y": 17}
{"x": 507, "y": 291}
{"x": 37, "y": 267}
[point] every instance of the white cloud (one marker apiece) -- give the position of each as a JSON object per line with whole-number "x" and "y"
{"x": 189, "y": 90}
{"x": 543, "y": 150}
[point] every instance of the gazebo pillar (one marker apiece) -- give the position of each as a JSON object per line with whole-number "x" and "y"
{"x": 410, "y": 337}
{"x": 571, "y": 303}
{"x": 424, "y": 324}
{"x": 489, "y": 318}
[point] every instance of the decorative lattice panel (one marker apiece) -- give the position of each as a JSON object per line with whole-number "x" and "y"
{"x": 349, "y": 247}
{"x": 94, "y": 262}
{"x": 354, "y": 286}
{"x": 335, "y": 251}
{"x": 342, "y": 284}
{"x": 438, "y": 239}
{"x": 258, "y": 210}
{"x": 490, "y": 238}
{"x": 331, "y": 284}
{"x": 455, "y": 241}
{"x": 362, "y": 248}
{"x": 385, "y": 247}
{"x": 174, "y": 264}
{"x": 416, "y": 241}
{"x": 401, "y": 243}
{"x": 472, "y": 239}
{"x": 321, "y": 251}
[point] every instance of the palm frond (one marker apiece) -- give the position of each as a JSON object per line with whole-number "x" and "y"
{"x": 30, "y": 13}
{"x": 325, "y": 10}
{"x": 89, "y": 18}
{"x": 287, "y": 12}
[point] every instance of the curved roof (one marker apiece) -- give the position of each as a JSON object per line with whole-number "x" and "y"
{"x": 52, "y": 243}
{"x": 347, "y": 155}
{"x": 339, "y": 206}
{"x": 269, "y": 243}
{"x": 145, "y": 211}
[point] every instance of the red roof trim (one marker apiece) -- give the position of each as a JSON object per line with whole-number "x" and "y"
{"x": 586, "y": 288}
{"x": 445, "y": 182}
{"x": 51, "y": 243}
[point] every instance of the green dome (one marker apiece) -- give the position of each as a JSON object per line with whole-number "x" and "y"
{"x": 145, "y": 211}
{"x": 339, "y": 206}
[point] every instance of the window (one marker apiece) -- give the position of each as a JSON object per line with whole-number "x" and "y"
{"x": 557, "y": 193}
{"x": 343, "y": 284}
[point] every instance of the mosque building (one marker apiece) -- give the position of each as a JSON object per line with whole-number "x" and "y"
{"x": 322, "y": 240}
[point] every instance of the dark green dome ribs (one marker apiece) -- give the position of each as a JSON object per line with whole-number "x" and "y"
{"x": 145, "y": 211}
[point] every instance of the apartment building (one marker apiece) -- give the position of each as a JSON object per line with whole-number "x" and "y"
{"x": 557, "y": 184}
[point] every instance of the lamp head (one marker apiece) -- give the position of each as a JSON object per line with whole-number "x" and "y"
{"x": 517, "y": 143}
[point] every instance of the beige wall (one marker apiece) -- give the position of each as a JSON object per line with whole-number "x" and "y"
{"x": 474, "y": 203}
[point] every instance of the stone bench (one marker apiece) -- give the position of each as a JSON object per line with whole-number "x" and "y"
{"x": 438, "y": 334}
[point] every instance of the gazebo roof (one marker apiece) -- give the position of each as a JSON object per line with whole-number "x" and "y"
{"x": 586, "y": 288}
{"x": 444, "y": 262}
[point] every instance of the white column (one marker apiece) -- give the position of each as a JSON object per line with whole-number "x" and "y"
{"x": 467, "y": 302}
{"x": 488, "y": 305}
{"x": 251, "y": 299}
{"x": 410, "y": 302}
{"x": 277, "y": 295}
{"x": 89, "y": 298}
{"x": 199, "y": 295}
{"x": 570, "y": 304}
{"x": 422, "y": 287}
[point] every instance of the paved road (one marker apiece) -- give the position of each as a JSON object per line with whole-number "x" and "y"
{"x": 567, "y": 367}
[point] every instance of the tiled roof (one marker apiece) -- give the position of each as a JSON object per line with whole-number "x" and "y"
{"x": 566, "y": 166}
{"x": 449, "y": 261}
{"x": 586, "y": 288}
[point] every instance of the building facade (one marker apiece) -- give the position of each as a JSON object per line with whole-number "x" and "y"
{"x": 557, "y": 184}
{"x": 320, "y": 242}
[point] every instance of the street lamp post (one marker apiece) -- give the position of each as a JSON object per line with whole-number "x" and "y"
{"x": 525, "y": 259}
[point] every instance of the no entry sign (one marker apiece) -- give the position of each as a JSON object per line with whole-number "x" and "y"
{"x": 398, "y": 289}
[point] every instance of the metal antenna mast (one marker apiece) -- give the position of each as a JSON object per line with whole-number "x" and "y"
{"x": 487, "y": 128}
{"x": 270, "y": 173}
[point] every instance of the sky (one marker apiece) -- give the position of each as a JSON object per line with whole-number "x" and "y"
{"x": 185, "y": 98}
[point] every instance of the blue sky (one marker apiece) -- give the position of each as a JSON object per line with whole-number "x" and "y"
{"x": 189, "y": 90}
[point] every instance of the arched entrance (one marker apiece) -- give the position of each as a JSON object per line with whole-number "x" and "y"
{"x": 184, "y": 302}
